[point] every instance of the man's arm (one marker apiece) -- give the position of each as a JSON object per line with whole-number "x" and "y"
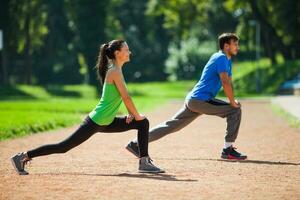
{"x": 228, "y": 89}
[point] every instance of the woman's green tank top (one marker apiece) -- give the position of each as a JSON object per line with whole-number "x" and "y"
{"x": 108, "y": 106}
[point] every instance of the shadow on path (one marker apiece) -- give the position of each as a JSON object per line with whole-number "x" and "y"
{"x": 165, "y": 177}
{"x": 265, "y": 162}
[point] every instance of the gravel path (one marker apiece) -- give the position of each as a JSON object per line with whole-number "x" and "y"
{"x": 102, "y": 169}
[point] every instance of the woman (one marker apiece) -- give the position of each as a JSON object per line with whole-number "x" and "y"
{"x": 103, "y": 118}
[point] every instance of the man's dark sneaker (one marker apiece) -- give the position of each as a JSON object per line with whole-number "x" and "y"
{"x": 146, "y": 166}
{"x": 133, "y": 148}
{"x": 19, "y": 161}
{"x": 230, "y": 153}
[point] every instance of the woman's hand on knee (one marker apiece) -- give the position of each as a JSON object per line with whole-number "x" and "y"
{"x": 139, "y": 117}
{"x": 129, "y": 118}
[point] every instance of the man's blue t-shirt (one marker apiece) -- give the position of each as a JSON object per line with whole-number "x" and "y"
{"x": 210, "y": 83}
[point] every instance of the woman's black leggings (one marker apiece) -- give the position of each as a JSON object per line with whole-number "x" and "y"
{"x": 89, "y": 128}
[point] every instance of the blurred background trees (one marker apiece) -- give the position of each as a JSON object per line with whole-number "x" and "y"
{"x": 57, "y": 42}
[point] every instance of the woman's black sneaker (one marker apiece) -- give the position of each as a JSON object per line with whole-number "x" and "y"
{"x": 133, "y": 148}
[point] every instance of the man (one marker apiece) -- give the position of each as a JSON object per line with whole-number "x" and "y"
{"x": 201, "y": 100}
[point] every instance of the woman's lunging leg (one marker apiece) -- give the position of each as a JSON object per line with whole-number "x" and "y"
{"x": 119, "y": 125}
{"x": 85, "y": 131}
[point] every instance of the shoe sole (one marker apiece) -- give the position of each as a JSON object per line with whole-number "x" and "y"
{"x": 233, "y": 158}
{"x": 152, "y": 172}
{"x": 18, "y": 172}
{"x": 131, "y": 151}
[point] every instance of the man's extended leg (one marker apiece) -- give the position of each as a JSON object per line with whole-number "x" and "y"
{"x": 181, "y": 119}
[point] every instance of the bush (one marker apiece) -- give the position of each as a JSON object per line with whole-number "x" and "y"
{"x": 267, "y": 79}
{"x": 188, "y": 60}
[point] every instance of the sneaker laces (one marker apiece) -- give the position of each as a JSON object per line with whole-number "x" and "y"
{"x": 149, "y": 161}
{"x": 234, "y": 150}
{"x": 26, "y": 160}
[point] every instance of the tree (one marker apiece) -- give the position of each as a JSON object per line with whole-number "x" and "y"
{"x": 182, "y": 18}
{"x": 4, "y": 24}
{"x": 194, "y": 26}
{"x": 279, "y": 35}
{"x": 27, "y": 30}
{"x": 89, "y": 19}
{"x": 146, "y": 37}
{"x": 57, "y": 60}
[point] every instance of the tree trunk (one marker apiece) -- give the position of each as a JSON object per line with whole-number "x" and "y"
{"x": 273, "y": 41}
{"x": 4, "y": 23}
{"x": 269, "y": 47}
{"x": 28, "y": 61}
{"x": 4, "y": 73}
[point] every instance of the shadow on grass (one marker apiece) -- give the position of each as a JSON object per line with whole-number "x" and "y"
{"x": 264, "y": 162}
{"x": 137, "y": 93}
{"x": 13, "y": 93}
{"x": 160, "y": 176}
{"x": 60, "y": 91}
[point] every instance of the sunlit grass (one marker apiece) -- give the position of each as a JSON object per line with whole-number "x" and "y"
{"x": 31, "y": 109}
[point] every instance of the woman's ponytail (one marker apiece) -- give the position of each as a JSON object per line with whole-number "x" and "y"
{"x": 102, "y": 63}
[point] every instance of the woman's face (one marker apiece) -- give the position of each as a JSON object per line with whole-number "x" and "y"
{"x": 123, "y": 54}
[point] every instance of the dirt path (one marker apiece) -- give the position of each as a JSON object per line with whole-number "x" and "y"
{"x": 102, "y": 169}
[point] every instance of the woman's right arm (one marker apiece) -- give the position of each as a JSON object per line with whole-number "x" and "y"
{"x": 118, "y": 80}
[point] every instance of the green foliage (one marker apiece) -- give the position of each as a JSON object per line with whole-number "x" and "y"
{"x": 29, "y": 18}
{"x": 89, "y": 18}
{"x": 246, "y": 75}
{"x": 56, "y": 62}
{"x": 181, "y": 17}
{"x": 278, "y": 35}
{"x": 188, "y": 60}
{"x": 147, "y": 40}
{"x": 57, "y": 42}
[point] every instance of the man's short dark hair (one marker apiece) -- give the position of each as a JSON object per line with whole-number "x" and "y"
{"x": 225, "y": 38}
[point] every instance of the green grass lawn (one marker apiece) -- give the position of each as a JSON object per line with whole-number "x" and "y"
{"x": 292, "y": 120}
{"x": 29, "y": 109}
{"x": 21, "y": 122}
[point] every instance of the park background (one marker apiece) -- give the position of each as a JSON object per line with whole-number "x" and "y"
{"x": 48, "y": 85}
{"x": 50, "y": 48}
